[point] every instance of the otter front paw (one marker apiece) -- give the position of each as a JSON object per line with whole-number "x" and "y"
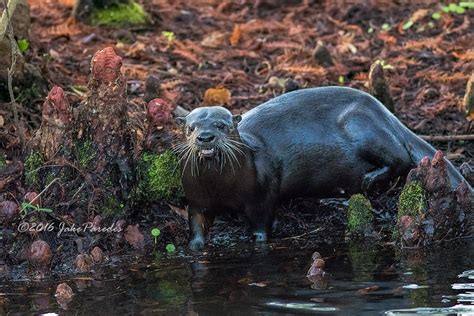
{"x": 196, "y": 244}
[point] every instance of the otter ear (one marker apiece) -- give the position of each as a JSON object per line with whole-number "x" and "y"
{"x": 236, "y": 119}
{"x": 180, "y": 120}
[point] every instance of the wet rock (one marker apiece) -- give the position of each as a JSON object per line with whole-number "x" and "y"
{"x": 316, "y": 275}
{"x": 32, "y": 198}
{"x": 97, "y": 222}
{"x": 9, "y": 173}
{"x": 83, "y": 263}
{"x": 291, "y": 85}
{"x": 8, "y": 211}
{"x": 152, "y": 88}
{"x": 97, "y": 255}
{"x": 64, "y": 294}
{"x": 378, "y": 86}
{"x": 322, "y": 55}
{"x": 134, "y": 237}
{"x": 39, "y": 257}
{"x": 316, "y": 255}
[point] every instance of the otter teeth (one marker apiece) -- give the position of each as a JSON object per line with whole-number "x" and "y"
{"x": 207, "y": 151}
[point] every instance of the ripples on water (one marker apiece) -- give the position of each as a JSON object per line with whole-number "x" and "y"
{"x": 270, "y": 280}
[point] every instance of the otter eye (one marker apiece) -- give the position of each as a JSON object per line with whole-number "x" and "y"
{"x": 220, "y": 126}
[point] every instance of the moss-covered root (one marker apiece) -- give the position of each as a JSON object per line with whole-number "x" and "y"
{"x": 412, "y": 200}
{"x": 160, "y": 177}
{"x": 119, "y": 15}
{"x": 360, "y": 215}
{"x": 33, "y": 162}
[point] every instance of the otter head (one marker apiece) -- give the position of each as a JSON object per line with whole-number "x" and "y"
{"x": 210, "y": 131}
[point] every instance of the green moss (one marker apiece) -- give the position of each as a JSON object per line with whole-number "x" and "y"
{"x": 159, "y": 177}
{"x": 412, "y": 200}
{"x": 113, "y": 207}
{"x": 32, "y": 163}
{"x": 119, "y": 15}
{"x": 3, "y": 160}
{"x": 84, "y": 153}
{"x": 360, "y": 214}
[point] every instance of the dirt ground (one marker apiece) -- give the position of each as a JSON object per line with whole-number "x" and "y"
{"x": 250, "y": 48}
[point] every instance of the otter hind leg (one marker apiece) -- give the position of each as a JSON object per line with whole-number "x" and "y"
{"x": 389, "y": 158}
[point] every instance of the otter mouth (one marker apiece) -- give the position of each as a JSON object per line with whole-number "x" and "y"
{"x": 207, "y": 152}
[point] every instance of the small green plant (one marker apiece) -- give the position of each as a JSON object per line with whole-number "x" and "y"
{"x": 23, "y": 45}
{"x": 385, "y": 66}
{"x": 408, "y": 24}
{"x": 170, "y": 36}
{"x": 25, "y": 206}
{"x": 170, "y": 248}
{"x": 155, "y": 232}
{"x": 341, "y": 79}
{"x": 436, "y": 15}
{"x": 386, "y": 27}
{"x": 370, "y": 30}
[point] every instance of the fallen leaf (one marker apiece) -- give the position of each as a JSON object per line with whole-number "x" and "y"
{"x": 217, "y": 96}
{"x": 214, "y": 40}
{"x": 134, "y": 237}
{"x": 235, "y": 37}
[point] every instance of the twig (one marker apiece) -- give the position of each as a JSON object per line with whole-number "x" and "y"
{"x": 447, "y": 138}
{"x": 5, "y": 18}
{"x": 307, "y": 233}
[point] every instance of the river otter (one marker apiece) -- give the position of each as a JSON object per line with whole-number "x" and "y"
{"x": 320, "y": 142}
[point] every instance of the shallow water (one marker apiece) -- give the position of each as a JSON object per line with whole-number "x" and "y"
{"x": 266, "y": 280}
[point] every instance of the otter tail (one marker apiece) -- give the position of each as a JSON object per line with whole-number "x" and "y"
{"x": 420, "y": 149}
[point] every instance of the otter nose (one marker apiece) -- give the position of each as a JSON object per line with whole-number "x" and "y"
{"x": 205, "y": 137}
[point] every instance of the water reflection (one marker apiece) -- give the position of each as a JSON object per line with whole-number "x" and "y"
{"x": 364, "y": 279}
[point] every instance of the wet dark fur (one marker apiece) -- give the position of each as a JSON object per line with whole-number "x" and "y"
{"x": 319, "y": 142}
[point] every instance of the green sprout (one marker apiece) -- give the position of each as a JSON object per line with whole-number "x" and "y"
{"x": 407, "y": 25}
{"x": 23, "y": 45}
{"x": 386, "y": 27}
{"x": 25, "y": 206}
{"x": 436, "y": 15}
{"x": 341, "y": 79}
{"x": 155, "y": 232}
{"x": 169, "y": 36}
{"x": 170, "y": 248}
{"x": 370, "y": 30}
{"x": 386, "y": 66}
{"x": 467, "y": 4}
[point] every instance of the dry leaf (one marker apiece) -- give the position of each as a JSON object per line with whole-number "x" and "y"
{"x": 214, "y": 40}
{"x": 134, "y": 237}
{"x": 387, "y": 38}
{"x": 217, "y": 96}
{"x": 235, "y": 37}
